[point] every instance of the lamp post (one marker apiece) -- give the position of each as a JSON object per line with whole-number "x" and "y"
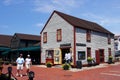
{"x": 31, "y": 75}
{"x": 9, "y": 72}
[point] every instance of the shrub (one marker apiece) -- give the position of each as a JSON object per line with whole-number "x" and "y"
{"x": 14, "y": 63}
{"x": 49, "y": 64}
{"x": 89, "y": 59}
{"x": 1, "y": 62}
{"x": 6, "y": 62}
{"x": 110, "y": 60}
{"x": 66, "y": 66}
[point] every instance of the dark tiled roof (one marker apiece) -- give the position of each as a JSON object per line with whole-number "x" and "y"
{"x": 28, "y": 36}
{"x": 5, "y": 40}
{"x": 82, "y": 23}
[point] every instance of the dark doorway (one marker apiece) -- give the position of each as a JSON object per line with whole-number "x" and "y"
{"x": 64, "y": 50}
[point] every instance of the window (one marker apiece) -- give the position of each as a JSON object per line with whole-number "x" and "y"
{"x": 109, "y": 39}
{"x": 81, "y": 55}
{"x": 88, "y": 52}
{"x": 59, "y": 34}
{"x": 88, "y": 36}
{"x": 49, "y": 54}
{"x": 45, "y": 37}
{"x": 109, "y": 51}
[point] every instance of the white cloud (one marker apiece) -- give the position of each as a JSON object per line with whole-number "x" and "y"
{"x": 62, "y": 5}
{"x": 110, "y": 23}
{"x": 7, "y": 2}
{"x": 10, "y": 2}
{"x": 103, "y": 20}
{"x": 39, "y": 25}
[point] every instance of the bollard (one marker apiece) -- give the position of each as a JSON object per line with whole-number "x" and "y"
{"x": 31, "y": 75}
{"x": 9, "y": 72}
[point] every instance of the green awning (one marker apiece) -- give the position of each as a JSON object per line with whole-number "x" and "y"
{"x": 33, "y": 48}
{"x": 5, "y": 52}
{"x": 4, "y": 48}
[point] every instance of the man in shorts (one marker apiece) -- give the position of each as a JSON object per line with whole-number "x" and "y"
{"x": 20, "y": 62}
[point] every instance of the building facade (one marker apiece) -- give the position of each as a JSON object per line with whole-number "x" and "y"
{"x": 117, "y": 43}
{"x": 67, "y": 34}
{"x": 25, "y": 44}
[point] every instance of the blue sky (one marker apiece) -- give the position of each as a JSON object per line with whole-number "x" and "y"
{"x": 30, "y": 16}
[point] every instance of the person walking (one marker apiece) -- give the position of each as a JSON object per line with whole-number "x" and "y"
{"x": 20, "y": 62}
{"x": 28, "y": 63}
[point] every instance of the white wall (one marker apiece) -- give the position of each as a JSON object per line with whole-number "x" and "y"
{"x": 98, "y": 41}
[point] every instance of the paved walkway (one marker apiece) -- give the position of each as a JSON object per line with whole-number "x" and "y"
{"x": 100, "y": 72}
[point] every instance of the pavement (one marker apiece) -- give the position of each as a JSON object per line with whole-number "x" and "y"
{"x": 103, "y": 71}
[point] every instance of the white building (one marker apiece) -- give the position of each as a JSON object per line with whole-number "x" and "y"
{"x": 63, "y": 33}
{"x": 117, "y": 43}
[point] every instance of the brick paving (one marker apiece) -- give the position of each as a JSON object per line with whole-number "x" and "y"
{"x": 100, "y": 72}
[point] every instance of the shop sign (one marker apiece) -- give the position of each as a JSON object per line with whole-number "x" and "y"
{"x": 65, "y": 45}
{"x": 80, "y": 44}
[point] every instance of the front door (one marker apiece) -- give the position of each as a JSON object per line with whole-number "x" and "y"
{"x": 99, "y": 56}
{"x": 101, "y": 52}
{"x": 64, "y": 51}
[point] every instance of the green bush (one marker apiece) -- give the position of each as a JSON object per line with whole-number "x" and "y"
{"x": 1, "y": 62}
{"x": 14, "y": 63}
{"x": 6, "y": 62}
{"x": 66, "y": 66}
{"x": 89, "y": 59}
{"x": 49, "y": 64}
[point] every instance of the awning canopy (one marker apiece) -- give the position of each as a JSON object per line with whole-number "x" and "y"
{"x": 4, "y": 48}
{"x": 32, "y": 48}
{"x": 7, "y": 50}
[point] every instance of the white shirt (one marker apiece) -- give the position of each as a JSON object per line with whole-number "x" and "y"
{"x": 66, "y": 56}
{"x": 20, "y": 60}
{"x": 69, "y": 56}
{"x": 28, "y": 60}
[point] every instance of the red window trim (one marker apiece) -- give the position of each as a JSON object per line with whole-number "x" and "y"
{"x": 88, "y": 48}
{"x": 88, "y": 36}
{"x": 45, "y": 37}
{"x": 109, "y": 39}
{"x": 57, "y": 34}
{"x": 109, "y": 51}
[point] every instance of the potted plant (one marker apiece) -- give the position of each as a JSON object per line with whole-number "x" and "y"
{"x": 110, "y": 60}
{"x": 49, "y": 64}
{"x": 89, "y": 60}
{"x": 66, "y": 66}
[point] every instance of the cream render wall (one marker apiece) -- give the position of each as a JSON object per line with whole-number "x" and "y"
{"x": 56, "y": 22}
